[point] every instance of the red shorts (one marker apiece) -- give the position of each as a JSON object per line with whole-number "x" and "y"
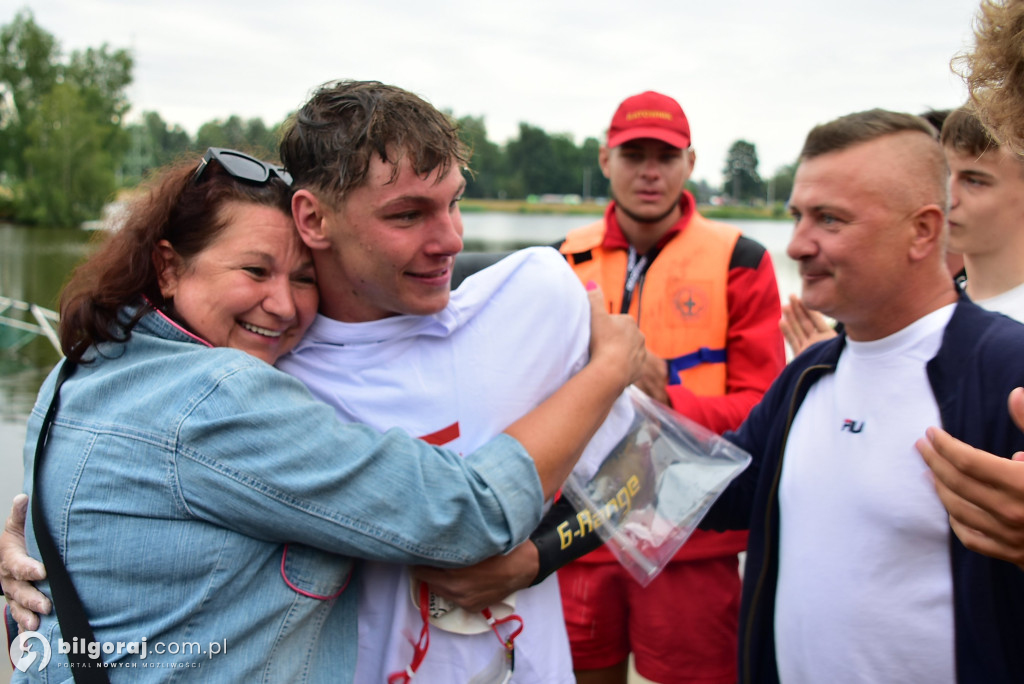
{"x": 680, "y": 628}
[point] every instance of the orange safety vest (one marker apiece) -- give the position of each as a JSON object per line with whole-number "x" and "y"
{"x": 682, "y": 308}
{"x": 683, "y": 311}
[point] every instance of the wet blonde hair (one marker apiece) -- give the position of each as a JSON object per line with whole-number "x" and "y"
{"x": 329, "y": 143}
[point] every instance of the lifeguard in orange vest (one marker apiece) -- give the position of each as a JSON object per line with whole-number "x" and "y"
{"x": 708, "y": 304}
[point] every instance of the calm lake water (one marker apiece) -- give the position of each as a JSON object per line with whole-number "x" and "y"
{"x": 34, "y": 264}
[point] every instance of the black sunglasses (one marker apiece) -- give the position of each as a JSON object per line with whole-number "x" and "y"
{"x": 241, "y": 166}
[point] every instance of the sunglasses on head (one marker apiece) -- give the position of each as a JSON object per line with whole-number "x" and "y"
{"x": 241, "y": 166}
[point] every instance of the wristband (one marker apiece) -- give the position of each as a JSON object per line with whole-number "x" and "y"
{"x": 561, "y": 538}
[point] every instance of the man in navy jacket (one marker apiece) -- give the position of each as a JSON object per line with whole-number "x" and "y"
{"x": 852, "y": 571}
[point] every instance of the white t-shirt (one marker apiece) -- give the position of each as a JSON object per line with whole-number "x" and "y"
{"x": 865, "y": 592}
{"x": 511, "y": 335}
{"x": 1010, "y": 303}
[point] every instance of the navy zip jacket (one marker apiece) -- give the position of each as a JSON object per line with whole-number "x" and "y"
{"x": 980, "y": 360}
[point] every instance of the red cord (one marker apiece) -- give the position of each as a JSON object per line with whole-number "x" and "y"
{"x": 420, "y": 647}
{"x": 507, "y": 643}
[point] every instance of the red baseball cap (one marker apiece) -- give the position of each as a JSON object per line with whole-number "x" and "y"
{"x": 650, "y": 115}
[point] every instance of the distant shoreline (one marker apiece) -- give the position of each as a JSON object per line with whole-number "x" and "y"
{"x": 470, "y": 205}
{"x": 520, "y": 206}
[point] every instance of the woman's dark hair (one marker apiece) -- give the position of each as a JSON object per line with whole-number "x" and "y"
{"x": 173, "y": 207}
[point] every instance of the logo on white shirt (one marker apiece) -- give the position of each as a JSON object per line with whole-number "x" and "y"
{"x": 852, "y": 426}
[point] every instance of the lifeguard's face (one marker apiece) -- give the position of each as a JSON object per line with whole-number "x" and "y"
{"x": 647, "y": 177}
{"x": 388, "y": 248}
{"x": 253, "y": 288}
{"x": 987, "y": 200}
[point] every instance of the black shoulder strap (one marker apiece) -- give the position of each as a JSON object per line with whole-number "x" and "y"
{"x": 70, "y": 613}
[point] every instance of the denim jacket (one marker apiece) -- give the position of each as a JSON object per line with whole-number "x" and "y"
{"x": 205, "y": 503}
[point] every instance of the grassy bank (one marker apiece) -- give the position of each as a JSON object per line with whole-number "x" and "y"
{"x": 775, "y": 212}
{"x": 468, "y": 205}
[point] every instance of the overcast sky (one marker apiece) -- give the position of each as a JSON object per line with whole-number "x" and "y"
{"x": 762, "y": 71}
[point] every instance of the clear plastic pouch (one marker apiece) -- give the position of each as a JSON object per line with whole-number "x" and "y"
{"x": 655, "y": 485}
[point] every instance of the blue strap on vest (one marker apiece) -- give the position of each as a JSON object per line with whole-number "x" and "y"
{"x": 691, "y": 360}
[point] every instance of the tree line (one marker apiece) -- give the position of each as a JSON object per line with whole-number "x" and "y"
{"x": 67, "y": 147}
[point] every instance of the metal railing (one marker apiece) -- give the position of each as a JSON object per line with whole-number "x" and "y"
{"x": 21, "y": 322}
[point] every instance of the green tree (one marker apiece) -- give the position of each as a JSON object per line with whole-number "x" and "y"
{"x": 153, "y": 143}
{"x": 262, "y": 141}
{"x": 61, "y": 126}
{"x": 102, "y": 76}
{"x": 252, "y": 136}
{"x": 544, "y": 163}
{"x": 168, "y": 142}
{"x": 566, "y": 168}
{"x": 739, "y": 177}
{"x": 72, "y": 174}
{"x": 594, "y": 184}
{"x": 487, "y": 179}
{"x": 221, "y": 133}
{"x": 28, "y": 71}
{"x": 780, "y": 185}
{"x": 530, "y": 160}
{"x": 211, "y": 134}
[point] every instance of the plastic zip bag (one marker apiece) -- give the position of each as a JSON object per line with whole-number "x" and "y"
{"x": 655, "y": 485}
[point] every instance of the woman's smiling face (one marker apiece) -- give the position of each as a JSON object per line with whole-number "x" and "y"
{"x": 253, "y": 288}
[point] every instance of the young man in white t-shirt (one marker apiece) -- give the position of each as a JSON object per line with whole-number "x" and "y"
{"x": 986, "y": 217}
{"x": 392, "y": 347}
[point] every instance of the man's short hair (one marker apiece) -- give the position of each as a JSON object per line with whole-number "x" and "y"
{"x": 925, "y": 168}
{"x": 936, "y": 117}
{"x": 328, "y": 144}
{"x": 861, "y": 127}
{"x": 964, "y": 132}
